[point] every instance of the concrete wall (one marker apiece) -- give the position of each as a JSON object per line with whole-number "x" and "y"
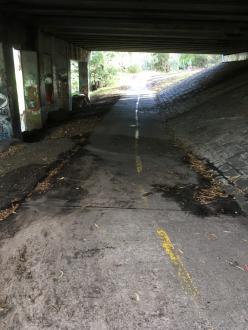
{"x": 54, "y": 58}
{"x": 201, "y": 87}
{"x": 45, "y": 63}
{"x": 5, "y": 123}
{"x": 235, "y": 57}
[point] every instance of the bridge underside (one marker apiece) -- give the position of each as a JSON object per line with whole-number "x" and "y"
{"x": 203, "y": 26}
{"x": 47, "y": 36}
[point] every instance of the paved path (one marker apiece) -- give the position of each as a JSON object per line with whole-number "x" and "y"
{"x": 103, "y": 250}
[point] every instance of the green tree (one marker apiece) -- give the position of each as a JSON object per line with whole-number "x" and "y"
{"x": 74, "y": 77}
{"x": 158, "y": 62}
{"x": 134, "y": 68}
{"x": 198, "y": 60}
{"x": 102, "y": 71}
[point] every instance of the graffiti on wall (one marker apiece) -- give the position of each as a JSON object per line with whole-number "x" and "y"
{"x": 62, "y": 85}
{"x": 32, "y": 112}
{"x": 47, "y": 80}
{"x": 5, "y": 124}
{"x": 31, "y": 96}
{"x": 61, "y": 65}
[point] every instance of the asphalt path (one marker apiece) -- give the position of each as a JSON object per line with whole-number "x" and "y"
{"x": 104, "y": 250}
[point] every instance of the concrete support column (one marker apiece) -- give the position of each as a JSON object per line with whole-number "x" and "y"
{"x": 83, "y": 78}
{"x": 12, "y": 91}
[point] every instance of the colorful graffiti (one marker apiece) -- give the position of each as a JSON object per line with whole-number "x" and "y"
{"x": 4, "y": 105}
{"x": 5, "y": 123}
{"x": 32, "y": 96}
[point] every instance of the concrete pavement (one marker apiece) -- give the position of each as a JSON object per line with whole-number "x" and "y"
{"x": 219, "y": 134}
{"x": 104, "y": 250}
{"x": 201, "y": 87}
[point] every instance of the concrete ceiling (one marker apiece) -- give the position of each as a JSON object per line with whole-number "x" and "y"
{"x": 203, "y": 26}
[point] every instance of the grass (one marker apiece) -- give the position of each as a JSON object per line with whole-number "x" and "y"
{"x": 170, "y": 79}
{"x": 112, "y": 90}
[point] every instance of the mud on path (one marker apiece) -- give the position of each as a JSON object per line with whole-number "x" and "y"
{"x": 37, "y": 246}
{"x": 23, "y": 165}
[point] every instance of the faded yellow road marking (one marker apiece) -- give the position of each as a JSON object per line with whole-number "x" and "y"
{"x": 138, "y": 161}
{"x": 139, "y": 165}
{"x": 176, "y": 261}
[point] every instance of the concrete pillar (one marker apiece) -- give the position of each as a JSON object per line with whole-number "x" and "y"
{"x": 83, "y": 78}
{"x": 12, "y": 91}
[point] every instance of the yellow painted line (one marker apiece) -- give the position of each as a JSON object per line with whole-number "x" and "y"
{"x": 139, "y": 165}
{"x": 176, "y": 261}
{"x": 138, "y": 161}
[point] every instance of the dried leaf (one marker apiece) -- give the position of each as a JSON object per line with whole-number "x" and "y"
{"x": 4, "y": 214}
{"x": 212, "y": 237}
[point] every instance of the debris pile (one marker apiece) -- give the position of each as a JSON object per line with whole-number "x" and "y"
{"x": 76, "y": 128}
{"x": 212, "y": 189}
{"x": 4, "y": 214}
{"x": 46, "y": 184}
{"x": 205, "y": 198}
{"x": 12, "y": 150}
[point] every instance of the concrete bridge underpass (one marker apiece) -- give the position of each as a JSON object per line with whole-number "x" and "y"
{"x": 47, "y": 35}
{"x": 135, "y": 219}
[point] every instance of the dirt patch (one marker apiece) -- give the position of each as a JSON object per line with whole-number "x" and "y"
{"x": 185, "y": 197}
{"x": 31, "y": 180}
{"x": 75, "y": 128}
{"x": 29, "y": 169}
{"x": 91, "y": 252}
{"x": 12, "y": 150}
{"x": 66, "y": 185}
{"x": 206, "y": 198}
{"x": 105, "y": 100}
{"x": 21, "y": 270}
{"x": 107, "y": 94}
{"x": 4, "y": 214}
{"x": 15, "y": 185}
{"x": 46, "y": 184}
{"x": 55, "y": 177}
{"x": 210, "y": 189}
{"x": 4, "y": 309}
{"x": 169, "y": 80}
